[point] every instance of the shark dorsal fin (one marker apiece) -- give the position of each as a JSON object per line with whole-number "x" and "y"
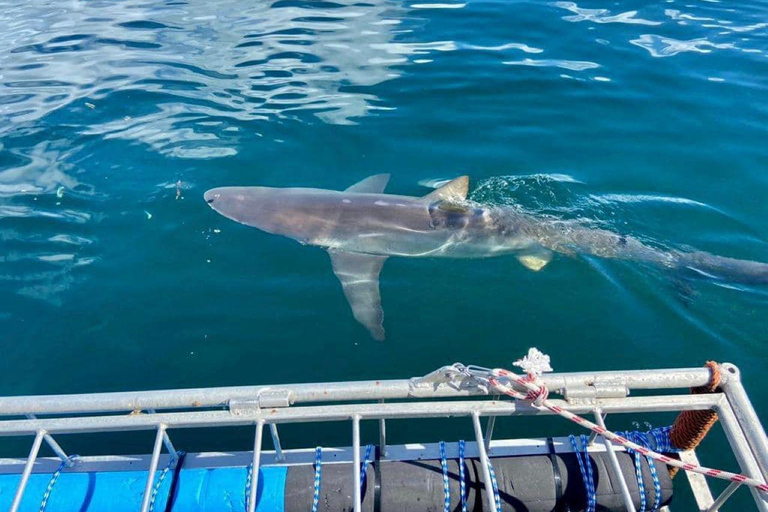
{"x": 456, "y": 190}
{"x": 371, "y": 185}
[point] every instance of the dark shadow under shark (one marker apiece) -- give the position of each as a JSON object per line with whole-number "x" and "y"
{"x": 361, "y": 227}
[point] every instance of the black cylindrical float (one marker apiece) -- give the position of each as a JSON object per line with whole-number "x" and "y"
{"x": 526, "y": 483}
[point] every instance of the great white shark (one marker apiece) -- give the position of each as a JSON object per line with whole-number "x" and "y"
{"x": 362, "y": 226}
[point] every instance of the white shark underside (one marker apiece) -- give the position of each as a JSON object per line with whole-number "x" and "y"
{"x": 361, "y": 227}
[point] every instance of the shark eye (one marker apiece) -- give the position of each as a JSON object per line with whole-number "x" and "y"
{"x": 210, "y": 201}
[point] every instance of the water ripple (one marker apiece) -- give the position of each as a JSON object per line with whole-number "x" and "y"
{"x": 602, "y": 15}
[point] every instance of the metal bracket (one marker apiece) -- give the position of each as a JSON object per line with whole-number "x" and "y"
{"x": 266, "y": 399}
{"x": 590, "y": 392}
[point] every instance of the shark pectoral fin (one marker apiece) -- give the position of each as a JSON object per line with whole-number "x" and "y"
{"x": 371, "y": 185}
{"x": 455, "y": 190}
{"x": 359, "y": 276}
{"x": 536, "y": 261}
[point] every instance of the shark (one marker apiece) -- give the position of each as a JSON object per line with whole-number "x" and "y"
{"x": 361, "y": 227}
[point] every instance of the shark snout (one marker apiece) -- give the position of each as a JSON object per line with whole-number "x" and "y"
{"x": 211, "y": 196}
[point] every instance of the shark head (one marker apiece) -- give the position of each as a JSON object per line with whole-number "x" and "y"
{"x": 253, "y": 206}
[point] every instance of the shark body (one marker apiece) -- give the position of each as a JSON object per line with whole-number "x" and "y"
{"x": 362, "y": 226}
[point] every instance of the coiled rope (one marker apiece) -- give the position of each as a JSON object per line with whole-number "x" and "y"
{"x": 585, "y": 467}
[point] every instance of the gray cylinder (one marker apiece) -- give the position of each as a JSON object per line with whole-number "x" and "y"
{"x": 526, "y": 483}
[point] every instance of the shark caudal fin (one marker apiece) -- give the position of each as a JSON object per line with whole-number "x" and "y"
{"x": 359, "y": 276}
{"x": 710, "y": 266}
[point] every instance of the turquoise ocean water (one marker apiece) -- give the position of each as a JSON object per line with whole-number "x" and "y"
{"x": 645, "y": 118}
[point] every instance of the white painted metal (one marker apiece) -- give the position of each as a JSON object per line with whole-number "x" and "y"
{"x": 724, "y": 496}
{"x": 153, "y": 468}
{"x": 27, "y": 470}
{"x": 302, "y": 403}
{"x": 276, "y": 442}
{"x": 628, "y": 503}
{"x": 256, "y": 465}
{"x": 484, "y": 461}
{"x": 698, "y": 483}
{"x": 358, "y": 505}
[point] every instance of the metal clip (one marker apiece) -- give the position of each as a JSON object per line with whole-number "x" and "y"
{"x": 589, "y": 393}
{"x": 266, "y": 399}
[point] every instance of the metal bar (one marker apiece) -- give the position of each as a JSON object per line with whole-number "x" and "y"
{"x": 325, "y": 392}
{"x": 593, "y": 435}
{"x": 382, "y": 435}
{"x": 698, "y": 482}
{"x": 358, "y": 503}
{"x": 153, "y": 468}
{"x": 166, "y": 438}
{"x": 484, "y": 461}
{"x": 741, "y": 450}
{"x": 276, "y": 442}
{"x": 746, "y": 415}
{"x": 60, "y": 453}
{"x": 628, "y": 503}
{"x": 489, "y": 429}
{"x": 256, "y": 463}
{"x": 344, "y": 412}
{"x": 724, "y": 496}
{"x": 27, "y": 470}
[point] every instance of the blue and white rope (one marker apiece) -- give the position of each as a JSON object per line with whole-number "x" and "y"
{"x": 639, "y": 473}
{"x": 318, "y": 475}
{"x": 446, "y": 483}
{"x": 495, "y": 485}
{"x": 364, "y": 464}
{"x": 68, "y": 462}
{"x": 248, "y": 478}
{"x": 173, "y": 458}
{"x": 585, "y": 467}
{"x": 462, "y": 477}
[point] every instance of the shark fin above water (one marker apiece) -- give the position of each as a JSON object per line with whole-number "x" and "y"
{"x": 455, "y": 190}
{"x": 371, "y": 185}
{"x": 359, "y": 276}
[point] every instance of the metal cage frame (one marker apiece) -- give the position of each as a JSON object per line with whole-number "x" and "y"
{"x": 596, "y": 393}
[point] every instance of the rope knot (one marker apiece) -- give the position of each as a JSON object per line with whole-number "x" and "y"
{"x": 538, "y": 395}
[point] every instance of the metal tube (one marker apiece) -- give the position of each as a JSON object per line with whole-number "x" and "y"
{"x": 325, "y": 392}
{"x": 628, "y": 503}
{"x": 746, "y": 415}
{"x": 256, "y": 464}
{"x": 27, "y": 470}
{"x": 698, "y": 482}
{"x": 276, "y": 442}
{"x": 358, "y": 503}
{"x": 60, "y": 453}
{"x": 153, "y": 468}
{"x": 724, "y": 496}
{"x": 489, "y": 429}
{"x": 424, "y": 409}
{"x": 484, "y": 461}
{"x": 741, "y": 451}
{"x": 382, "y": 435}
{"x": 593, "y": 435}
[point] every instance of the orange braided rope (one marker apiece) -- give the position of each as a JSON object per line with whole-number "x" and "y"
{"x": 691, "y": 427}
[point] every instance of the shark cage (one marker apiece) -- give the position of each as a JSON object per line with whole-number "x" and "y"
{"x": 595, "y": 469}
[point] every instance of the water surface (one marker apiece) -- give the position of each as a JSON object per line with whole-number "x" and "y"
{"x": 115, "y": 117}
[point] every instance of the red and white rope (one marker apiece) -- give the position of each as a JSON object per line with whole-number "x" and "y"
{"x": 537, "y": 395}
